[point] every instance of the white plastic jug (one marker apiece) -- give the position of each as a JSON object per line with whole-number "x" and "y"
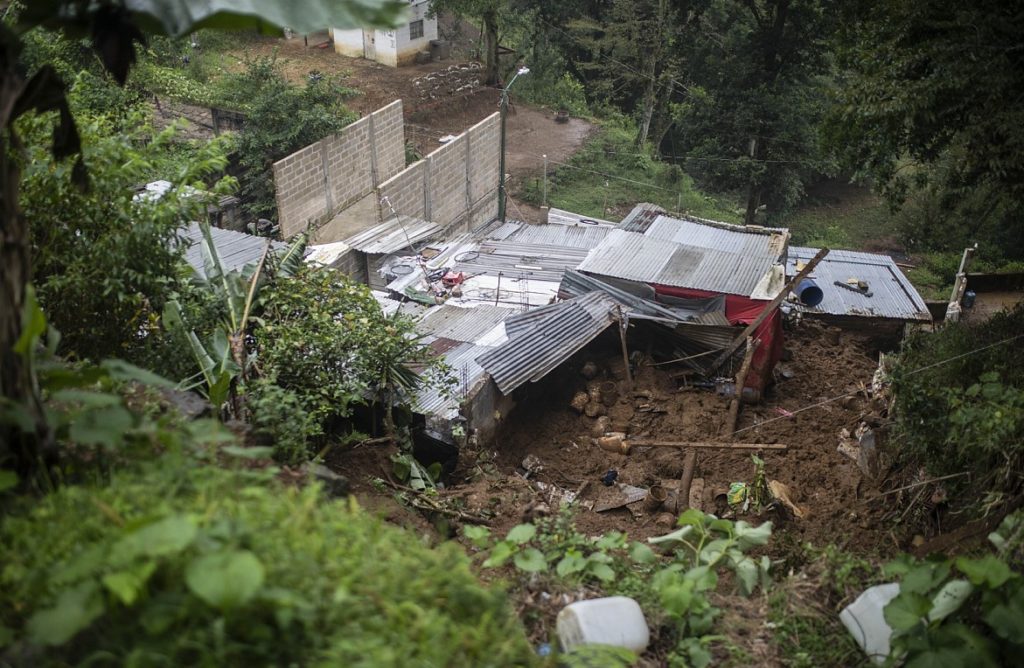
{"x": 617, "y": 620}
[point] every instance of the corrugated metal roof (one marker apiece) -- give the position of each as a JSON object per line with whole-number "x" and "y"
{"x": 892, "y": 295}
{"x": 462, "y": 324}
{"x": 393, "y": 235}
{"x": 462, "y": 359}
{"x": 561, "y": 236}
{"x": 560, "y": 217}
{"x": 701, "y": 255}
{"x": 236, "y": 249}
{"x": 533, "y": 353}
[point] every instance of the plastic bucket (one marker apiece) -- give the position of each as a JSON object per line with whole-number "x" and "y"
{"x": 809, "y": 293}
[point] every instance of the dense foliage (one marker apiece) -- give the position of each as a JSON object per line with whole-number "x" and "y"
{"x": 959, "y": 404}
{"x": 961, "y": 612}
{"x": 106, "y": 259}
{"x": 189, "y": 564}
{"x": 929, "y": 108}
{"x": 326, "y": 339}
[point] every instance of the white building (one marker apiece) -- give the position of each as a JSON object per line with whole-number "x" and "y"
{"x": 391, "y": 47}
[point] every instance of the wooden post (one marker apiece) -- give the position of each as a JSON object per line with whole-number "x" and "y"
{"x": 625, "y": 350}
{"x": 686, "y": 480}
{"x": 767, "y": 311}
{"x": 741, "y": 379}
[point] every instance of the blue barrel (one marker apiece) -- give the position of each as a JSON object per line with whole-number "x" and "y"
{"x": 809, "y": 293}
{"x": 969, "y": 297}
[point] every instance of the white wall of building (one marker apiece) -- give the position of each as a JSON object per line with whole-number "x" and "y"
{"x": 390, "y": 47}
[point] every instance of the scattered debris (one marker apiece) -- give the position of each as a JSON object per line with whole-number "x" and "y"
{"x": 617, "y": 621}
{"x": 608, "y": 479}
{"x": 622, "y": 495}
{"x": 862, "y": 448}
{"x": 616, "y": 442}
{"x": 865, "y": 621}
{"x": 782, "y": 492}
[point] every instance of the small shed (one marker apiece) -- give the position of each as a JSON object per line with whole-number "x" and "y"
{"x": 865, "y": 292}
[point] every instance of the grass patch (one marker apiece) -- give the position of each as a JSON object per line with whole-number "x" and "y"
{"x": 842, "y": 215}
{"x": 609, "y": 175}
{"x": 804, "y": 609}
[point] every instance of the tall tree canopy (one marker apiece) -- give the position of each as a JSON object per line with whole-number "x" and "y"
{"x": 932, "y": 103}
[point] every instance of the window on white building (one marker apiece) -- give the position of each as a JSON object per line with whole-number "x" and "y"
{"x": 416, "y": 29}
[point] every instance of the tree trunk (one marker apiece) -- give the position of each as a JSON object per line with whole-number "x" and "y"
{"x": 490, "y": 18}
{"x": 649, "y": 98}
{"x": 15, "y": 271}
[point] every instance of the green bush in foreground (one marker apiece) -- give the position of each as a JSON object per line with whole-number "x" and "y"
{"x": 200, "y": 566}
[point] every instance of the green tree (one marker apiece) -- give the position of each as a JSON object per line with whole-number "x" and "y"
{"x": 325, "y": 338}
{"x": 115, "y": 29}
{"x": 757, "y": 91}
{"x": 488, "y": 13}
{"x": 280, "y": 118}
{"x": 106, "y": 260}
{"x": 930, "y": 103}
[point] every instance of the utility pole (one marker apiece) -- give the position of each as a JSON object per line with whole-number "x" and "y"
{"x": 501, "y": 160}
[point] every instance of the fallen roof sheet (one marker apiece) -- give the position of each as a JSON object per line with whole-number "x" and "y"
{"x": 393, "y": 235}
{"x": 709, "y": 311}
{"x": 535, "y": 351}
{"x": 462, "y": 358}
{"x": 236, "y": 249}
{"x": 892, "y": 294}
{"x": 652, "y": 247}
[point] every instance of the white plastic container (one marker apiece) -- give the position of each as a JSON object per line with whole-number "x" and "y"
{"x": 617, "y": 621}
{"x": 865, "y": 621}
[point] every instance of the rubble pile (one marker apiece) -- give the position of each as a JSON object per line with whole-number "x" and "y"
{"x": 451, "y": 81}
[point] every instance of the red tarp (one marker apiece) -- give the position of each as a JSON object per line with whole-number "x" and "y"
{"x": 743, "y": 311}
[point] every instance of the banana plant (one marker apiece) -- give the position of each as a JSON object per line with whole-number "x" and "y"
{"x": 223, "y": 358}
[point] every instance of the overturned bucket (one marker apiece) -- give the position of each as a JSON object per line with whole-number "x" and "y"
{"x": 809, "y": 293}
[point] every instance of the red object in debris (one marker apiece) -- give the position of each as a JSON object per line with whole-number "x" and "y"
{"x": 783, "y": 412}
{"x": 452, "y": 279}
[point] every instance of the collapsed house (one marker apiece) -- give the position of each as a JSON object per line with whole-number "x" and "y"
{"x": 509, "y": 303}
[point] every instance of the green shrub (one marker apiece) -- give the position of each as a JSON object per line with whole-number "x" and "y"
{"x": 200, "y": 566}
{"x": 279, "y": 420}
{"x": 960, "y": 401}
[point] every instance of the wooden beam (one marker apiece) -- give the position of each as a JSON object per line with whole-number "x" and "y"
{"x": 767, "y": 311}
{"x": 741, "y": 379}
{"x": 625, "y": 348}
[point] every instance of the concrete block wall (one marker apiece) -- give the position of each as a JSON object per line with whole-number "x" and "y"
{"x": 350, "y": 172}
{"x": 447, "y": 182}
{"x": 406, "y": 191}
{"x": 483, "y": 158}
{"x": 389, "y": 140}
{"x": 455, "y": 186}
{"x": 299, "y": 188}
{"x": 315, "y": 183}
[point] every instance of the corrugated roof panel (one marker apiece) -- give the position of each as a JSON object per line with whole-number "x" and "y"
{"x": 641, "y": 217}
{"x": 553, "y": 339}
{"x": 560, "y": 236}
{"x": 893, "y": 296}
{"x": 236, "y": 249}
{"x": 462, "y": 324}
{"x": 393, "y": 235}
{"x": 687, "y": 253}
{"x": 462, "y": 360}
{"x": 628, "y": 255}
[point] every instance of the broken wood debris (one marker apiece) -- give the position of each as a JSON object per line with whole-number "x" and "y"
{"x": 619, "y": 444}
